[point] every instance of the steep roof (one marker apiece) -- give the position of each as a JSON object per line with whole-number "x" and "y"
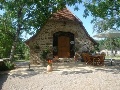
{"x": 65, "y": 14}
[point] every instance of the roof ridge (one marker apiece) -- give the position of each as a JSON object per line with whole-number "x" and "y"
{"x": 74, "y": 15}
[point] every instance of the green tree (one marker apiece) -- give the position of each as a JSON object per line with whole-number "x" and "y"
{"x": 106, "y": 13}
{"x": 22, "y": 51}
{"x": 105, "y": 44}
{"x": 7, "y": 34}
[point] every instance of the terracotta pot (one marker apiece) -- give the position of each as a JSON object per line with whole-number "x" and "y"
{"x": 49, "y": 68}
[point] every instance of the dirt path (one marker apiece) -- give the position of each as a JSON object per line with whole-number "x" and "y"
{"x": 65, "y": 76}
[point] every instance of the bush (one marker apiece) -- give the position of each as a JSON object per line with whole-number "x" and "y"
{"x": 44, "y": 54}
{"x": 7, "y": 65}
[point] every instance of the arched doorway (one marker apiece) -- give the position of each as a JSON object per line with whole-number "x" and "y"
{"x": 63, "y": 44}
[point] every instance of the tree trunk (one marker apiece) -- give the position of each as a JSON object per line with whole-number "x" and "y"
{"x": 12, "y": 51}
{"x": 19, "y": 25}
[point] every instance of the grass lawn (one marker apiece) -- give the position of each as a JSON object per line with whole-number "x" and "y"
{"x": 113, "y": 57}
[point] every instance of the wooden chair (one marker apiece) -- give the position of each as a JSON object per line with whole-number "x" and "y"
{"x": 87, "y": 58}
{"x": 96, "y": 60}
{"x": 103, "y": 54}
{"x": 102, "y": 58}
{"x": 56, "y": 59}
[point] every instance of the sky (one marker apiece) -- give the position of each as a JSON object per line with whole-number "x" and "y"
{"x": 86, "y": 21}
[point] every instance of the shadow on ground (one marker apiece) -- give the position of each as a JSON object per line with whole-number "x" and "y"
{"x": 68, "y": 68}
{"x": 3, "y": 78}
{"x": 83, "y": 68}
{"x": 23, "y": 70}
{"x": 27, "y": 72}
{"x": 113, "y": 68}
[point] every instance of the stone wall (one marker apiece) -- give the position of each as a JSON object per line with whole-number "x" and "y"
{"x": 45, "y": 37}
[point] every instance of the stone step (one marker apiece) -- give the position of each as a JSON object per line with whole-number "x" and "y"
{"x": 66, "y": 59}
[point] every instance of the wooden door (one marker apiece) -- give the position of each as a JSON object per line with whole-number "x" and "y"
{"x": 63, "y": 47}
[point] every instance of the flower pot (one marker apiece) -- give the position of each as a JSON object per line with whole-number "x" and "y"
{"x": 49, "y": 68}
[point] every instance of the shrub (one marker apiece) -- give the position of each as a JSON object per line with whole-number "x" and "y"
{"x": 44, "y": 54}
{"x": 7, "y": 65}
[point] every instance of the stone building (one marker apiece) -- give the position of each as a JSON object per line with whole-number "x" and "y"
{"x": 63, "y": 34}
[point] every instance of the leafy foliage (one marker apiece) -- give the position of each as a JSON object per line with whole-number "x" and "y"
{"x": 7, "y": 65}
{"x": 22, "y": 51}
{"x": 7, "y": 34}
{"x": 44, "y": 54}
{"x": 106, "y": 13}
{"x": 105, "y": 44}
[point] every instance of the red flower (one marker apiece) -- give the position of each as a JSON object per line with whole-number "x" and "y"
{"x": 50, "y": 62}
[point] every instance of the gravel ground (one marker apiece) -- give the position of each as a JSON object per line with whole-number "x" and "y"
{"x": 63, "y": 77}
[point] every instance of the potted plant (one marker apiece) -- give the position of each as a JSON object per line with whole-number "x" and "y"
{"x": 43, "y": 56}
{"x": 49, "y": 66}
